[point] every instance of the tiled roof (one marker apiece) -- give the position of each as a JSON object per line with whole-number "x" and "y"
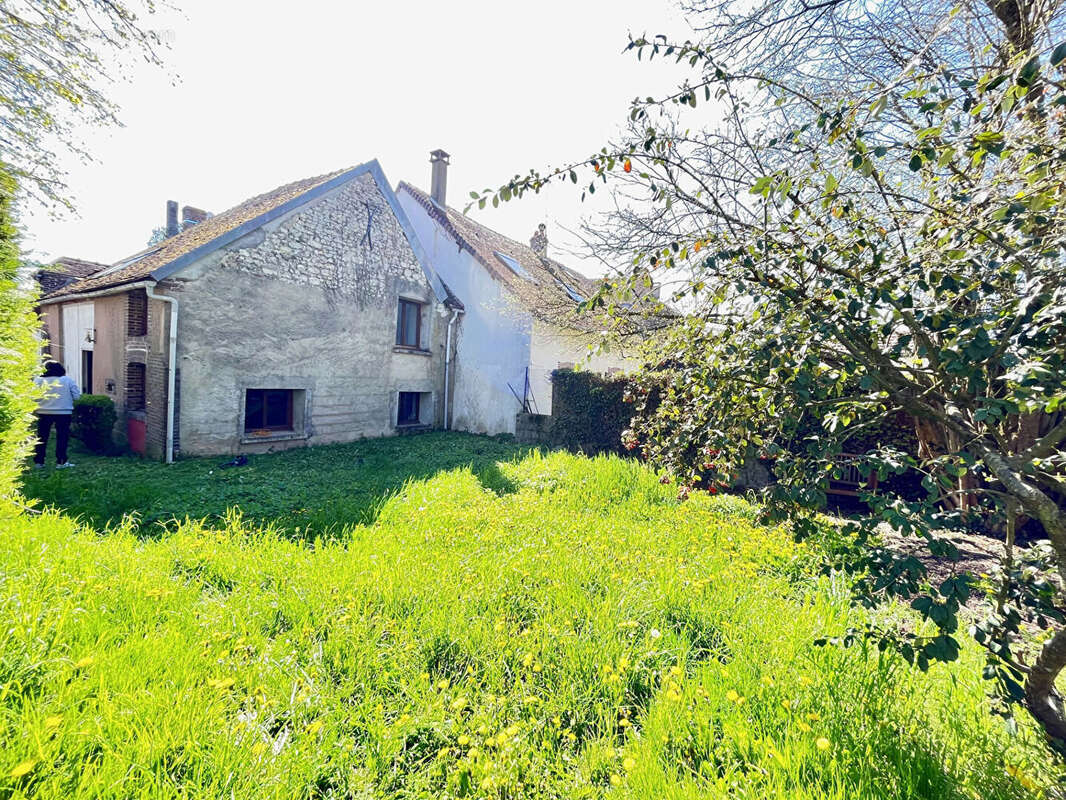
{"x": 141, "y": 265}
{"x": 543, "y": 285}
{"x": 76, "y": 267}
{"x": 65, "y": 271}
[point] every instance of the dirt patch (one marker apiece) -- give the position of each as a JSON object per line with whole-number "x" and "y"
{"x": 977, "y": 554}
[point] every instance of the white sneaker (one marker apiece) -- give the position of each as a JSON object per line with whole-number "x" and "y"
{"x": 66, "y": 465}
{"x": 38, "y": 466}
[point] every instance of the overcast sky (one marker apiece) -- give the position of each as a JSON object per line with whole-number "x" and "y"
{"x": 269, "y": 92}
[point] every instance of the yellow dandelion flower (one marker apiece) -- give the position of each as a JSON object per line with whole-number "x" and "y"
{"x": 83, "y": 662}
{"x": 616, "y": 780}
{"x": 314, "y": 727}
{"x": 787, "y": 705}
{"x": 50, "y": 723}
{"x": 676, "y": 671}
{"x": 511, "y": 730}
{"x": 459, "y": 703}
{"x": 22, "y": 769}
{"x": 629, "y": 764}
{"x": 733, "y": 696}
{"x": 822, "y": 743}
{"x": 767, "y": 681}
{"x": 443, "y": 683}
{"x": 463, "y": 740}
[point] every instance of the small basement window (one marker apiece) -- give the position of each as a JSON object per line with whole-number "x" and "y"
{"x": 407, "y": 411}
{"x": 137, "y": 313}
{"x": 135, "y": 387}
{"x": 409, "y": 324}
{"x": 268, "y": 410}
{"x": 414, "y": 408}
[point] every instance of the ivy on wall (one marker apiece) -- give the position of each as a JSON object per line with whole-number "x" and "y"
{"x": 589, "y": 411}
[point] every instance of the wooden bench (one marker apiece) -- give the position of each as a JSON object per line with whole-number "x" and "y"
{"x": 851, "y": 479}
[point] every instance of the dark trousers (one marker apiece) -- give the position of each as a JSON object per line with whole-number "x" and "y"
{"x": 44, "y": 430}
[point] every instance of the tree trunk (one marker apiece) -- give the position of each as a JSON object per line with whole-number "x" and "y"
{"x": 1041, "y": 697}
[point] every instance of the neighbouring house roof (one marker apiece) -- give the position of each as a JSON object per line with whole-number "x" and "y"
{"x": 548, "y": 289}
{"x": 65, "y": 270}
{"x": 169, "y": 256}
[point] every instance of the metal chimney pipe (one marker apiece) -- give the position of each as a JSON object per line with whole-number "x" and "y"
{"x": 172, "y": 218}
{"x": 439, "y": 186}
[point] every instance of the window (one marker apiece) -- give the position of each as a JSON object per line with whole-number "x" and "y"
{"x": 409, "y": 324}
{"x": 137, "y": 313}
{"x": 408, "y": 410}
{"x": 268, "y": 410}
{"x": 135, "y": 387}
{"x": 515, "y": 267}
{"x": 87, "y": 371}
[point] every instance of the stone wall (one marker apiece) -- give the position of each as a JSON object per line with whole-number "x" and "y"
{"x": 533, "y": 428}
{"x": 306, "y": 303}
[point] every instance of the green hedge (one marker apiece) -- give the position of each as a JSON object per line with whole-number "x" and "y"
{"x": 20, "y": 353}
{"x": 589, "y": 411}
{"x": 94, "y": 421}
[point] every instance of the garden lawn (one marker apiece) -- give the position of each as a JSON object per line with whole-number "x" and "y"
{"x": 303, "y": 492}
{"x": 564, "y": 629}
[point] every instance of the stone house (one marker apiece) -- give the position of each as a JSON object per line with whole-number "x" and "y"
{"x": 306, "y": 315}
{"x": 520, "y": 319}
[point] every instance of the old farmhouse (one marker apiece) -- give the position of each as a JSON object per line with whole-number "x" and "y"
{"x": 323, "y": 311}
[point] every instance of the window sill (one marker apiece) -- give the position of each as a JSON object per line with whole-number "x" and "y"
{"x": 411, "y": 351}
{"x": 273, "y": 436}
{"x": 413, "y": 427}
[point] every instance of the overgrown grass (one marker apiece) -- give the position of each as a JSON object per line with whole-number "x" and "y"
{"x": 567, "y": 631}
{"x": 303, "y": 492}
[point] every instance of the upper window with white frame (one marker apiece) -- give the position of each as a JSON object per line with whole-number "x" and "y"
{"x": 409, "y": 324}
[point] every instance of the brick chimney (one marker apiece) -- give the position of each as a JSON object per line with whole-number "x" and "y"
{"x": 539, "y": 242}
{"x": 439, "y": 186}
{"x": 191, "y": 215}
{"x": 172, "y": 218}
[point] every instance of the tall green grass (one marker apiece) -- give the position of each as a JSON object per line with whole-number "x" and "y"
{"x": 555, "y": 627}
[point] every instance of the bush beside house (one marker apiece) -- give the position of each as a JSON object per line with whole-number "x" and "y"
{"x": 94, "y": 421}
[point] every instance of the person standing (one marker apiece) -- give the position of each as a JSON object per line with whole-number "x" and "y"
{"x": 55, "y": 408}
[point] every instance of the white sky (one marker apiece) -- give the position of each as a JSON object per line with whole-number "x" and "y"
{"x": 269, "y": 92}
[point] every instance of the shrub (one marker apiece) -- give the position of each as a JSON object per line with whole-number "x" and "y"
{"x": 94, "y": 419}
{"x": 19, "y": 351}
{"x": 590, "y": 411}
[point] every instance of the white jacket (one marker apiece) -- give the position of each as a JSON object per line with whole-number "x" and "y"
{"x": 59, "y": 395}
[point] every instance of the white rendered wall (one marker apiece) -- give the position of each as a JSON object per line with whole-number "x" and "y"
{"x": 493, "y": 347}
{"x": 552, "y": 347}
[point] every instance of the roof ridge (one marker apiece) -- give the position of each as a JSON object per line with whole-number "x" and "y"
{"x": 189, "y": 239}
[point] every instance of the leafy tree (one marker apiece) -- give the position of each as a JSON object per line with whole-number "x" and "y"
{"x": 19, "y": 349}
{"x": 50, "y": 86}
{"x": 846, "y": 258}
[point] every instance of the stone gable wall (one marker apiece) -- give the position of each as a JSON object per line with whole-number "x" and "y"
{"x": 308, "y": 303}
{"x": 333, "y": 247}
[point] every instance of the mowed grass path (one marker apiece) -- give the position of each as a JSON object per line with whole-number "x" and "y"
{"x": 569, "y": 631}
